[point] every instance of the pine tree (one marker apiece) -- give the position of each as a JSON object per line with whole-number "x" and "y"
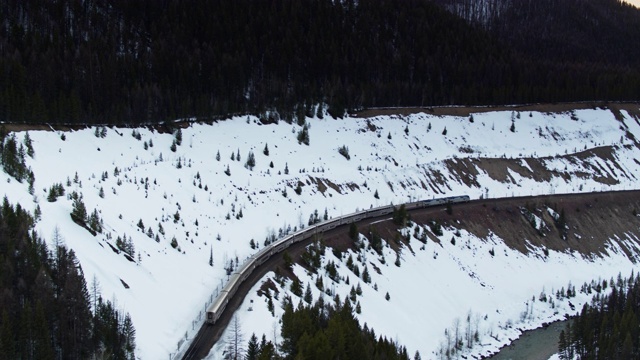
{"x": 253, "y": 349}
{"x": 79, "y": 211}
{"x": 251, "y": 161}
{"x": 365, "y": 275}
{"x": 288, "y": 261}
{"x": 353, "y": 231}
{"x": 178, "y": 137}
{"x": 266, "y": 150}
{"x": 52, "y": 195}
{"x": 7, "y": 342}
{"x": 320, "y": 111}
{"x": 400, "y": 215}
{"x": 28, "y": 143}
{"x": 308, "y": 296}
{"x": 303, "y": 135}
{"x": 129, "y": 333}
{"x": 562, "y": 346}
{"x": 296, "y": 287}
{"x": 319, "y": 283}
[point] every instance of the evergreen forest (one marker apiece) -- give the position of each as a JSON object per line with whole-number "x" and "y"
{"x": 47, "y": 311}
{"x": 131, "y": 62}
{"x": 323, "y": 331}
{"x": 609, "y": 328}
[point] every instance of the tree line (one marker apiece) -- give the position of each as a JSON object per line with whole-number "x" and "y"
{"x": 319, "y": 331}
{"x": 47, "y": 310}
{"x": 143, "y": 61}
{"x": 609, "y": 327}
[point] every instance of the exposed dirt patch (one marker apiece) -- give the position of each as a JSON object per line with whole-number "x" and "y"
{"x": 267, "y": 287}
{"x": 467, "y": 110}
{"x": 591, "y": 221}
{"x": 467, "y": 170}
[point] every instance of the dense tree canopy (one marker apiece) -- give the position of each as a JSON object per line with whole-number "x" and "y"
{"x": 609, "y": 328}
{"x": 140, "y": 61}
{"x": 47, "y": 311}
{"x": 330, "y": 331}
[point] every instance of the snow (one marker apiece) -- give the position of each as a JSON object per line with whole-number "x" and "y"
{"x": 170, "y": 289}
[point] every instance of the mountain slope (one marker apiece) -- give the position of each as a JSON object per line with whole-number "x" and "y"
{"x": 594, "y": 32}
{"x": 188, "y": 195}
{"x": 144, "y": 61}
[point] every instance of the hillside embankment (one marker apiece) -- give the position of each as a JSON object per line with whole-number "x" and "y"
{"x": 631, "y": 107}
{"x": 583, "y": 224}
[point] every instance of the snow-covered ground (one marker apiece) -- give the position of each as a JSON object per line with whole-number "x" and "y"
{"x": 219, "y": 214}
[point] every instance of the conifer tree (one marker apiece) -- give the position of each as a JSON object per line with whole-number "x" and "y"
{"x": 79, "y": 211}
{"x": 353, "y": 231}
{"x": 251, "y": 161}
{"x": 178, "y": 137}
{"x": 253, "y": 348}
{"x": 303, "y": 135}
{"x": 308, "y": 296}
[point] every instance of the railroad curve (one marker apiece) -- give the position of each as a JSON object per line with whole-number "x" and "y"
{"x": 209, "y": 334}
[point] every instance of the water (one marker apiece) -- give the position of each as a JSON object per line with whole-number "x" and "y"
{"x": 538, "y": 344}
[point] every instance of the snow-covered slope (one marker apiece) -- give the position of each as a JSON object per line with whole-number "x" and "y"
{"x": 399, "y": 158}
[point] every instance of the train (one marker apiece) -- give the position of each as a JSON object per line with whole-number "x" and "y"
{"x": 240, "y": 275}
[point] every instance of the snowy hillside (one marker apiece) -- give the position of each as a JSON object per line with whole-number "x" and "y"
{"x": 143, "y": 192}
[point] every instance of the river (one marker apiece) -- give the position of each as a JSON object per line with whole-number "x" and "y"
{"x": 537, "y": 344}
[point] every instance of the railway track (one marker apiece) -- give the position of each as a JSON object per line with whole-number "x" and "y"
{"x": 209, "y": 334}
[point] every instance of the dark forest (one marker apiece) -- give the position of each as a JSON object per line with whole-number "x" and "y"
{"x": 47, "y": 311}
{"x": 131, "y": 62}
{"x": 608, "y": 328}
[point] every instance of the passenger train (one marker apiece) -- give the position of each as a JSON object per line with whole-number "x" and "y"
{"x": 217, "y": 307}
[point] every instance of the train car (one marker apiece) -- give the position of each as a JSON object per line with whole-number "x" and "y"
{"x": 446, "y": 200}
{"x": 379, "y": 211}
{"x": 262, "y": 255}
{"x": 458, "y": 199}
{"x": 217, "y": 307}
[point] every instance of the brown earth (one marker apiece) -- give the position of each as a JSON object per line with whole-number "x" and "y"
{"x": 466, "y": 170}
{"x": 631, "y": 107}
{"x": 591, "y": 221}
